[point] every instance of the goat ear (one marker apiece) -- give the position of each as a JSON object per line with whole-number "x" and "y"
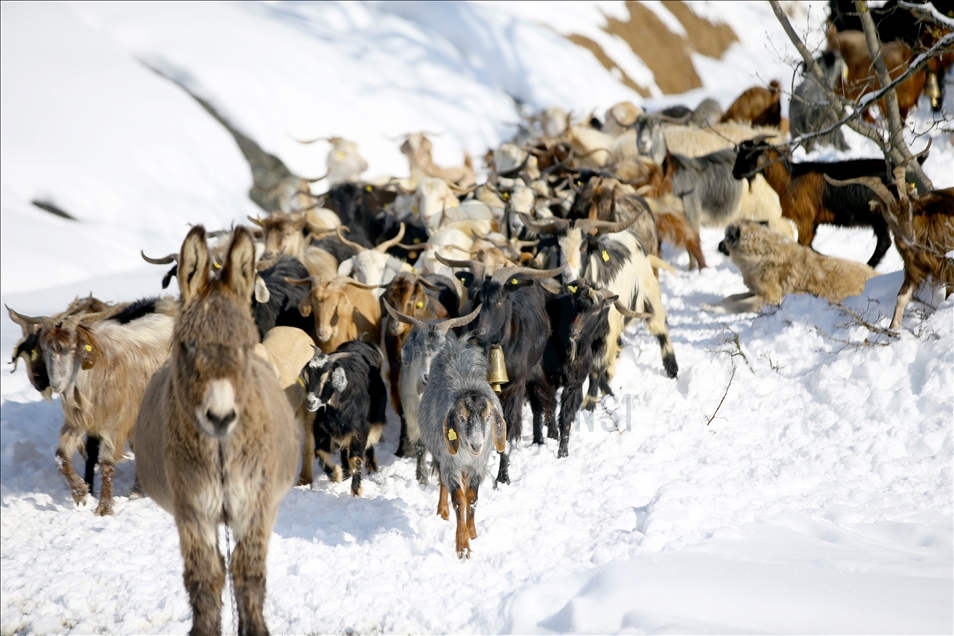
{"x": 262, "y": 295}
{"x": 88, "y": 348}
{"x": 304, "y": 307}
{"x": 500, "y": 431}
{"x": 451, "y": 434}
{"x": 238, "y": 272}
{"x": 193, "y": 271}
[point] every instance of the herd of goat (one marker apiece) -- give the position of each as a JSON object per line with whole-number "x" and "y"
{"x": 473, "y": 299}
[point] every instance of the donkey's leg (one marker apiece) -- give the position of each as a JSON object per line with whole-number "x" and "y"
{"x": 248, "y": 570}
{"x": 204, "y": 574}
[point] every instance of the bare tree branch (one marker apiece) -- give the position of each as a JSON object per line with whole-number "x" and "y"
{"x": 928, "y": 13}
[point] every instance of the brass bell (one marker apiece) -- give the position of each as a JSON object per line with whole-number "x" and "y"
{"x": 497, "y": 372}
{"x": 932, "y": 90}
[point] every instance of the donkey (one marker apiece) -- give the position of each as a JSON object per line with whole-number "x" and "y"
{"x": 216, "y": 440}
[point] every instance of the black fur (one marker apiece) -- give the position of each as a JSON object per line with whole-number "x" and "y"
{"x": 580, "y": 327}
{"x": 355, "y": 409}
{"x": 336, "y": 248}
{"x": 281, "y": 310}
{"x": 360, "y": 207}
{"x": 514, "y": 316}
{"x": 136, "y": 310}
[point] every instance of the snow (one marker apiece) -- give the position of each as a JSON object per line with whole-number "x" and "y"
{"x": 796, "y": 477}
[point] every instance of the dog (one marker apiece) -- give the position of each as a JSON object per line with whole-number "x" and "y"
{"x": 774, "y": 266}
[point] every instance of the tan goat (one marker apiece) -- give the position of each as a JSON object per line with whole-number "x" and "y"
{"x": 344, "y": 310}
{"x": 216, "y": 440}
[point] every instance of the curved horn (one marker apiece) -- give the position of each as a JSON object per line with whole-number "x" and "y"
{"x": 552, "y": 226}
{"x": 172, "y": 258}
{"x": 396, "y": 315}
{"x": 629, "y": 313}
{"x": 360, "y": 285}
{"x": 603, "y": 227}
{"x": 874, "y": 183}
{"x": 475, "y": 266}
{"x": 310, "y": 281}
{"x": 351, "y": 244}
{"x": 504, "y": 273}
{"x": 453, "y": 323}
{"x": 386, "y": 245}
{"x": 514, "y": 172}
{"x": 426, "y": 283}
{"x": 257, "y": 221}
{"x": 21, "y": 319}
{"x": 672, "y": 120}
{"x": 314, "y": 179}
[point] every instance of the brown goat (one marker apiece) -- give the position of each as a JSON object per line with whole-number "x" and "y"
{"x": 216, "y": 440}
{"x": 923, "y": 234}
{"x": 344, "y": 310}
{"x": 862, "y": 78}
{"x": 100, "y": 365}
{"x": 758, "y": 105}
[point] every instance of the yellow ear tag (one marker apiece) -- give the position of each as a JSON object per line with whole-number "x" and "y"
{"x": 415, "y": 210}
{"x": 301, "y": 382}
{"x": 605, "y": 255}
{"x": 33, "y": 355}
{"x": 216, "y": 266}
{"x": 506, "y": 196}
{"x": 416, "y": 241}
{"x": 368, "y": 188}
{"x": 573, "y": 288}
{"x": 451, "y": 435}
{"x": 420, "y": 304}
{"x": 88, "y": 347}
{"x": 340, "y": 154}
{"x": 514, "y": 281}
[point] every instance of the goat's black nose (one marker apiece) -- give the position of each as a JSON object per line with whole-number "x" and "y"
{"x": 723, "y": 248}
{"x": 220, "y": 423}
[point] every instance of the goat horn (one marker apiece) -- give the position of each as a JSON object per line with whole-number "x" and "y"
{"x": 386, "y": 245}
{"x": 453, "y": 323}
{"x": 311, "y": 282}
{"x": 396, "y": 315}
{"x": 360, "y": 285}
{"x": 475, "y": 266}
{"x": 351, "y": 244}
{"x": 172, "y": 258}
{"x": 426, "y": 283}
{"x": 21, "y": 319}
{"x": 629, "y": 313}
{"x": 552, "y": 226}
{"x": 311, "y": 141}
{"x": 504, "y": 273}
{"x": 513, "y": 172}
{"x": 255, "y": 220}
{"x": 873, "y": 183}
{"x": 314, "y": 179}
{"x": 603, "y": 227}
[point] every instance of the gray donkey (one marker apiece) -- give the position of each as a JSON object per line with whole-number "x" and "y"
{"x": 216, "y": 440}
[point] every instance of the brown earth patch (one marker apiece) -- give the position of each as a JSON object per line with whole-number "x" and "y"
{"x": 667, "y": 54}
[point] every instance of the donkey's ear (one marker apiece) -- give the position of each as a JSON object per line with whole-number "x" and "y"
{"x": 193, "y": 264}
{"x": 239, "y": 269}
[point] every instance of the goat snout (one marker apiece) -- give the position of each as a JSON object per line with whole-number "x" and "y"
{"x": 217, "y": 415}
{"x": 723, "y": 247}
{"x": 312, "y": 403}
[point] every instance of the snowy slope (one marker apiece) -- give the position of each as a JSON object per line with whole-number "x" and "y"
{"x": 819, "y": 498}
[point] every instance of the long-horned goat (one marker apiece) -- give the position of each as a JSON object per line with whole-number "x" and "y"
{"x": 100, "y": 368}
{"x": 461, "y": 423}
{"x": 425, "y": 340}
{"x": 808, "y": 200}
{"x": 216, "y": 440}
{"x": 514, "y": 317}
{"x": 347, "y": 394}
{"x": 923, "y": 234}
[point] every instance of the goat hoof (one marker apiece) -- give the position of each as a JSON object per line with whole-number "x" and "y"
{"x": 304, "y": 482}
{"x": 563, "y": 452}
{"x": 79, "y": 494}
{"x": 422, "y": 480}
{"x": 463, "y": 554}
{"x": 104, "y": 509}
{"x": 538, "y": 440}
{"x": 553, "y": 433}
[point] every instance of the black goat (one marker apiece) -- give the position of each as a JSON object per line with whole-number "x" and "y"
{"x": 346, "y": 390}
{"x": 808, "y": 200}
{"x": 579, "y": 318}
{"x": 279, "y": 306}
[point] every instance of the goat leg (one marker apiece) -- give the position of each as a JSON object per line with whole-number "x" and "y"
{"x": 105, "y": 506}
{"x": 463, "y": 537}
{"x": 904, "y": 297}
{"x": 355, "y": 459}
{"x": 569, "y": 407}
{"x": 543, "y": 405}
{"x": 421, "y": 455}
{"x": 592, "y": 392}
{"x": 92, "y": 457}
{"x": 346, "y": 461}
{"x": 471, "y": 496}
{"x": 77, "y": 486}
{"x": 503, "y": 473}
{"x": 248, "y": 576}
{"x": 204, "y": 571}
{"x": 443, "y": 508}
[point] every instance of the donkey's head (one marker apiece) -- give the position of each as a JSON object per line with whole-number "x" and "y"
{"x": 215, "y": 333}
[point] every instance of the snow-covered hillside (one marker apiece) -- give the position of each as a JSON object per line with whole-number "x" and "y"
{"x": 798, "y": 476}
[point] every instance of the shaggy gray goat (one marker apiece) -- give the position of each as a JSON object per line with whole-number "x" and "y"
{"x": 459, "y": 416}
{"x": 423, "y": 343}
{"x": 810, "y": 110}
